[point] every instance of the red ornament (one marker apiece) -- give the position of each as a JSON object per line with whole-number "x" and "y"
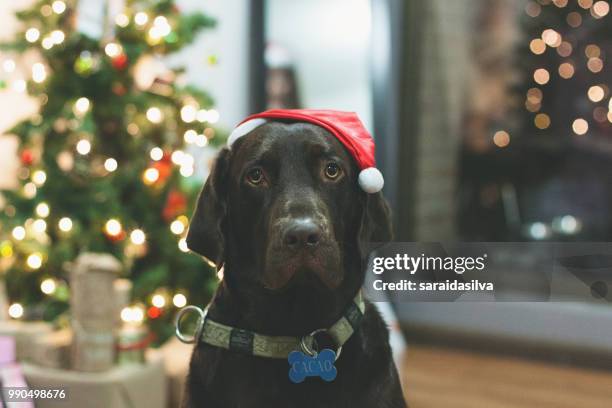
{"x": 164, "y": 168}
{"x": 119, "y": 89}
{"x": 154, "y": 312}
{"x": 27, "y": 157}
{"x": 120, "y": 62}
{"x": 176, "y": 204}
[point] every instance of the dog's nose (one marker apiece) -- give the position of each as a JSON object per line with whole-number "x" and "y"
{"x": 302, "y": 233}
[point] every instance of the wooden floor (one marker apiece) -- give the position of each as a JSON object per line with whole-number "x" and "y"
{"x": 441, "y": 378}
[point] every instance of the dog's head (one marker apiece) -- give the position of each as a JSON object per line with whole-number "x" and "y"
{"x": 283, "y": 207}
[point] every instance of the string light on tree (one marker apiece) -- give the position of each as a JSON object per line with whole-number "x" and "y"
{"x": 29, "y": 190}
{"x": 47, "y": 43}
{"x": 190, "y": 136}
{"x": 122, "y": 20}
{"x": 537, "y": 46}
{"x": 15, "y": 311}
{"x": 19, "y": 233}
{"x": 155, "y": 115}
{"x": 39, "y": 73}
{"x": 501, "y": 138}
{"x": 83, "y": 147}
{"x": 179, "y": 300}
{"x": 542, "y": 121}
{"x": 81, "y": 106}
{"x": 566, "y": 70}
{"x": 58, "y": 6}
{"x": 6, "y": 249}
{"x": 158, "y": 300}
{"x": 595, "y": 65}
{"x": 177, "y": 227}
{"x": 551, "y": 38}
{"x": 150, "y": 176}
{"x": 141, "y": 18}
{"x": 160, "y": 29}
{"x": 580, "y": 126}
{"x": 201, "y": 141}
{"x": 186, "y": 171}
{"x": 34, "y": 261}
{"x": 65, "y": 224}
{"x": 156, "y": 154}
{"x": 39, "y": 177}
{"x": 177, "y": 157}
{"x": 541, "y": 76}
{"x": 596, "y": 93}
{"x": 113, "y": 49}
{"x": 138, "y": 237}
{"x": 113, "y": 227}
{"x": 565, "y": 49}
{"x": 600, "y": 9}
{"x": 48, "y": 286}
{"x": 39, "y": 226}
{"x": 110, "y": 164}
{"x": 182, "y": 245}
{"x": 132, "y": 314}
{"x": 42, "y": 210}
{"x": 57, "y": 36}
{"x": 212, "y": 116}
{"x": 188, "y": 113}
{"x": 32, "y": 35}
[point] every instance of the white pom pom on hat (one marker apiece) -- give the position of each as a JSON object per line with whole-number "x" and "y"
{"x": 345, "y": 126}
{"x": 371, "y": 180}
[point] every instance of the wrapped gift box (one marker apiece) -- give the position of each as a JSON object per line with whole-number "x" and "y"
{"x": 24, "y": 333}
{"x": 127, "y": 386}
{"x": 52, "y": 349}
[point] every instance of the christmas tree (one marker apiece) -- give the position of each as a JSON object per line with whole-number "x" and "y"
{"x": 566, "y": 82}
{"x": 564, "y": 134}
{"x": 105, "y": 163}
{"x": 548, "y": 159}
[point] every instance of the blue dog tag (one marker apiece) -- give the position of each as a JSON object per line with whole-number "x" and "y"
{"x": 319, "y": 365}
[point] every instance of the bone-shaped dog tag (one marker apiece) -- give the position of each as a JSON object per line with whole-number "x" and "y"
{"x": 319, "y": 365}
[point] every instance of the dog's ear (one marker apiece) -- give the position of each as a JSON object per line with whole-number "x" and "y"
{"x": 206, "y": 234}
{"x": 375, "y": 222}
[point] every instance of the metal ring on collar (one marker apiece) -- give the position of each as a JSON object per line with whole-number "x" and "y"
{"x": 199, "y": 327}
{"x": 310, "y": 339}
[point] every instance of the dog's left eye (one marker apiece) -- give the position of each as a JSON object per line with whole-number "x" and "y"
{"x": 255, "y": 176}
{"x": 332, "y": 170}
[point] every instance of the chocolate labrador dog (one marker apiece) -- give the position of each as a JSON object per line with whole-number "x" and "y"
{"x": 282, "y": 212}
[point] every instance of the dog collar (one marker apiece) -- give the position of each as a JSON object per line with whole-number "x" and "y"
{"x": 248, "y": 342}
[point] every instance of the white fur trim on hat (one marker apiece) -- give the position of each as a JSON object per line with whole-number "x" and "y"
{"x": 244, "y": 129}
{"x": 371, "y": 180}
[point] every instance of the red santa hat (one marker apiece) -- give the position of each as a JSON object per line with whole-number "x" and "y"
{"x": 345, "y": 126}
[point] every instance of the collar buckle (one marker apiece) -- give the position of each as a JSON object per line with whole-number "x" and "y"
{"x": 310, "y": 346}
{"x": 197, "y": 334}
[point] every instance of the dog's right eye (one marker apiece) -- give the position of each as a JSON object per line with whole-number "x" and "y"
{"x": 255, "y": 176}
